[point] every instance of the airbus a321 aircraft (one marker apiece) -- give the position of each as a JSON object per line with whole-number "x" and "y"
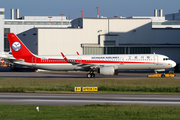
{"x": 103, "y": 64}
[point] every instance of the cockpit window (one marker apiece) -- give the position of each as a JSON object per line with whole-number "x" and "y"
{"x": 166, "y": 59}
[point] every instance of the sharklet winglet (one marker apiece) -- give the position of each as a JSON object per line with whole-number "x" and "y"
{"x": 64, "y": 57}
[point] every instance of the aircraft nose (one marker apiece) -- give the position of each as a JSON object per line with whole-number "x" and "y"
{"x": 173, "y": 64}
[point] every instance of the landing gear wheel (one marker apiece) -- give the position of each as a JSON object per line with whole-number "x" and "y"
{"x": 92, "y": 75}
{"x": 89, "y": 75}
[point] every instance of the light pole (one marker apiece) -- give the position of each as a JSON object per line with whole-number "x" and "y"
{"x": 97, "y": 12}
{"x": 82, "y": 13}
{"x": 50, "y": 19}
{"x": 61, "y": 16}
{"x": 69, "y": 16}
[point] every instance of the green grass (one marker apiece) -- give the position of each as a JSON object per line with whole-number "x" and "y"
{"x": 89, "y": 112}
{"x": 144, "y": 85}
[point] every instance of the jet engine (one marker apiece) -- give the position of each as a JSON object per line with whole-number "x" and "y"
{"x": 107, "y": 70}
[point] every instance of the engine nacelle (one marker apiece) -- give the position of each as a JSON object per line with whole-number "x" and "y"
{"x": 107, "y": 70}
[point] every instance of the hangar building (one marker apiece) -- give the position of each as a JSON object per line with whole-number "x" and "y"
{"x": 133, "y": 35}
{"x": 25, "y": 27}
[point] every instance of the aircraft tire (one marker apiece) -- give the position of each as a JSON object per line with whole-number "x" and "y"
{"x": 92, "y": 75}
{"x": 89, "y": 75}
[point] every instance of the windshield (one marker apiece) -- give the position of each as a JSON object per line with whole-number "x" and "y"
{"x": 166, "y": 59}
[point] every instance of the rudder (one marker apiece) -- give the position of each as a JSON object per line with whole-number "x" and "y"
{"x": 19, "y": 50}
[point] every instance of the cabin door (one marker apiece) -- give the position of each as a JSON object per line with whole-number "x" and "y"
{"x": 33, "y": 61}
{"x": 155, "y": 59}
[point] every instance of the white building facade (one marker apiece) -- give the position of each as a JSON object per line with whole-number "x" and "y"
{"x": 2, "y": 29}
{"x": 26, "y": 27}
{"x": 110, "y": 36}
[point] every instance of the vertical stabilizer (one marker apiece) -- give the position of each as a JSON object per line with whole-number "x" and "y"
{"x": 19, "y": 50}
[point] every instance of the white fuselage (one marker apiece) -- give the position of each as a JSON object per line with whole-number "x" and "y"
{"x": 120, "y": 62}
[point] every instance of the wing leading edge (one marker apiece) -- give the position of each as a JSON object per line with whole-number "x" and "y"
{"x": 85, "y": 65}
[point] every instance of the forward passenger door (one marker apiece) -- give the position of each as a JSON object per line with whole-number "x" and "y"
{"x": 155, "y": 59}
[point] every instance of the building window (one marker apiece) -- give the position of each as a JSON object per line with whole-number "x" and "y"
{"x": 93, "y": 50}
{"x": 140, "y": 50}
{"x": 6, "y": 41}
{"x": 1, "y": 13}
{"x": 166, "y": 23}
{"x": 103, "y": 50}
{"x": 109, "y": 43}
{"x": 115, "y": 50}
{"x": 36, "y": 23}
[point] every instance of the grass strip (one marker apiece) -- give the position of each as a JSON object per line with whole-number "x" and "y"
{"x": 164, "y": 85}
{"x": 90, "y": 112}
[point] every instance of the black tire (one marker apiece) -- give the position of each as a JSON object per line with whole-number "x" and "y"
{"x": 88, "y": 75}
{"x": 92, "y": 75}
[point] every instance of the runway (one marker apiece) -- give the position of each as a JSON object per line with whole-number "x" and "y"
{"x": 86, "y": 99}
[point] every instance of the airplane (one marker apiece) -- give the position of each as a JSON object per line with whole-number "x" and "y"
{"x": 1, "y": 60}
{"x": 102, "y": 64}
{"x": 6, "y": 56}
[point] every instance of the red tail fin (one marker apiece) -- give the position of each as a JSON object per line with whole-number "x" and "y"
{"x": 19, "y": 50}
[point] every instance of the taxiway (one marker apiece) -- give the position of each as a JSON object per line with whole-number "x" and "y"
{"x": 7, "y": 73}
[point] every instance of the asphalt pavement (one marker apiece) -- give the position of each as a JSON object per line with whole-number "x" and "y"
{"x": 87, "y": 99}
{"x": 8, "y": 73}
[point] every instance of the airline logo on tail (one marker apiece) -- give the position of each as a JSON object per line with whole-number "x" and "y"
{"x": 16, "y": 46}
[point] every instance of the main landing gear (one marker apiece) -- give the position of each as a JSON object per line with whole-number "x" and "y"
{"x": 90, "y": 74}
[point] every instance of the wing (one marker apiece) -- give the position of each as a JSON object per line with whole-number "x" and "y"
{"x": 85, "y": 65}
{"x": 13, "y": 60}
